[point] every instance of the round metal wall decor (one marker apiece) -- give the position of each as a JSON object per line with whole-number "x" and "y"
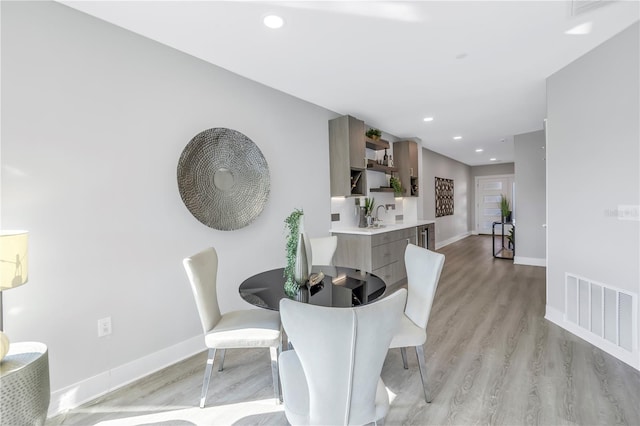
{"x": 223, "y": 179}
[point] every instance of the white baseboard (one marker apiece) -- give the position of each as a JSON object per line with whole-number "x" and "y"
{"x": 93, "y": 387}
{"x": 556, "y": 316}
{"x": 532, "y": 261}
{"x": 441, "y": 244}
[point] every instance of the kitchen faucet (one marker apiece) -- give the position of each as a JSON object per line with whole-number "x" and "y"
{"x": 378, "y": 209}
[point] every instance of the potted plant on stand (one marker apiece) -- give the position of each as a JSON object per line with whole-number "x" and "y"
{"x": 505, "y": 209}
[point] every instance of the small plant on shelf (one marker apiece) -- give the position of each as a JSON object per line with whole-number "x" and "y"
{"x": 374, "y": 134}
{"x": 396, "y": 185}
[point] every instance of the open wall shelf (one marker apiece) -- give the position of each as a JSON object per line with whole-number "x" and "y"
{"x": 372, "y": 165}
{"x": 376, "y": 145}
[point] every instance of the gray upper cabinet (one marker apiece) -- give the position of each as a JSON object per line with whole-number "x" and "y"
{"x": 347, "y": 157}
{"x": 405, "y": 155}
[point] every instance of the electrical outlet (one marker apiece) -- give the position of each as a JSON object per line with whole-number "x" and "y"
{"x": 104, "y": 327}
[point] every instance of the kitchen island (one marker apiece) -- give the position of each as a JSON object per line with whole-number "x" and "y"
{"x": 380, "y": 250}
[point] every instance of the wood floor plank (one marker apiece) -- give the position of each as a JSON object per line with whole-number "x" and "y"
{"x": 491, "y": 358}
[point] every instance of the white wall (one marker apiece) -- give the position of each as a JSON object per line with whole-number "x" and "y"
{"x": 94, "y": 119}
{"x": 593, "y": 167}
{"x": 530, "y": 203}
{"x": 454, "y": 227}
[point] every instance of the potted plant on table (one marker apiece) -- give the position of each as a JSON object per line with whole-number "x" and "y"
{"x": 296, "y": 271}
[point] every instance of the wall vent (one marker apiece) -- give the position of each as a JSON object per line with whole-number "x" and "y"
{"x": 581, "y": 6}
{"x": 604, "y": 311}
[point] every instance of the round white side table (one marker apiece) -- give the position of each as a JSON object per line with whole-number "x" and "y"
{"x": 24, "y": 384}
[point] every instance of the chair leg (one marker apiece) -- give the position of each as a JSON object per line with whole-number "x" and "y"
{"x": 207, "y": 377}
{"x": 423, "y": 371}
{"x": 222, "y": 352}
{"x": 403, "y": 352}
{"x": 274, "y": 372}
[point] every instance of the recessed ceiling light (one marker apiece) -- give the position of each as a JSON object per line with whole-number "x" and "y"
{"x": 479, "y": 150}
{"x": 273, "y": 21}
{"x": 427, "y": 119}
{"x": 457, "y": 138}
{"x": 581, "y": 29}
{"x": 461, "y": 56}
{"x": 493, "y": 159}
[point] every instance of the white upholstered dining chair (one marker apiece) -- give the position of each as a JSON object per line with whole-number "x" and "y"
{"x": 423, "y": 273}
{"x": 323, "y": 249}
{"x": 250, "y": 328}
{"x": 332, "y": 377}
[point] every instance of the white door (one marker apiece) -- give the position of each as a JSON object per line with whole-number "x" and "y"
{"x": 489, "y": 191}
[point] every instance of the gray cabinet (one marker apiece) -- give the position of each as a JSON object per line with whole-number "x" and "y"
{"x": 405, "y": 155}
{"x": 347, "y": 157}
{"x": 381, "y": 254}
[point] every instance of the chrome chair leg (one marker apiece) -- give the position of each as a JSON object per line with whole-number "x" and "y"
{"x": 207, "y": 377}
{"x": 274, "y": 372}
{"x": 423, "y": 372}
{"x": 222, "y": 352}
{"x": 403, "y": 352}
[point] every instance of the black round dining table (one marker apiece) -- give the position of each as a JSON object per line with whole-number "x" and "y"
{"x": 340, "y": 287}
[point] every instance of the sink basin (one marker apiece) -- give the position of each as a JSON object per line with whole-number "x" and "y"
{"x": 376, "y": 226}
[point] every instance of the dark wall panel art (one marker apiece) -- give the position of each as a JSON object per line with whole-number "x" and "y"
{"x": 444, "y": 197}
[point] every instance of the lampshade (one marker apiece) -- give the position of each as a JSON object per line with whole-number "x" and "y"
{"x": 14, "y": 262}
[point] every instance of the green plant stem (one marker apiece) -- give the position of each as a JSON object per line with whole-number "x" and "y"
{"x": 292, "y": 224}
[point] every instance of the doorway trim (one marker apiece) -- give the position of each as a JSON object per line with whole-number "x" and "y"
{"x": 476, "y": 218}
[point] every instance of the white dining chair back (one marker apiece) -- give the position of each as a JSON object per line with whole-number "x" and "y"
{"x": 423, "y": 274}
{"x": 202, "y": 271}
{"x": 332, "y": 377}
{"x": 323, "y": 249}
{"x": 250, "y": 328}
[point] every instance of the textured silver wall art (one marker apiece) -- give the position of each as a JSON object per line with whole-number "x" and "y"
{"x": 223, "y": 179}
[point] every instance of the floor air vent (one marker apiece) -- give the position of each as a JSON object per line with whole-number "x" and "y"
{"x": 604, "y": 311}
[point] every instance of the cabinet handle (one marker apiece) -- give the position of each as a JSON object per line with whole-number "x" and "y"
{"x": 411, "y": 171}
{"x": 365, "y": 162}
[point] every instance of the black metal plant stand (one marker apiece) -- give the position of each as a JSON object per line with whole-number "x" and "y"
{"x": 500, "y": 251}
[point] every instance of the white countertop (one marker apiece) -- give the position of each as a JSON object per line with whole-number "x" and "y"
{"x": 385, "y": 228}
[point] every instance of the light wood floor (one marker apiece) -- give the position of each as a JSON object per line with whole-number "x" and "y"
{"x": 491, "y": 359}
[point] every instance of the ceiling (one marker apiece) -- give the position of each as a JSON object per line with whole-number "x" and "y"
{"x": 477, "y": 67}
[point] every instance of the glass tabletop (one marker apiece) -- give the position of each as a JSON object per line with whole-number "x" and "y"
{"x": 341, "y": 287}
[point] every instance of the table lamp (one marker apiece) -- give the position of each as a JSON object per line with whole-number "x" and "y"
{"x": 13, "y": 262}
